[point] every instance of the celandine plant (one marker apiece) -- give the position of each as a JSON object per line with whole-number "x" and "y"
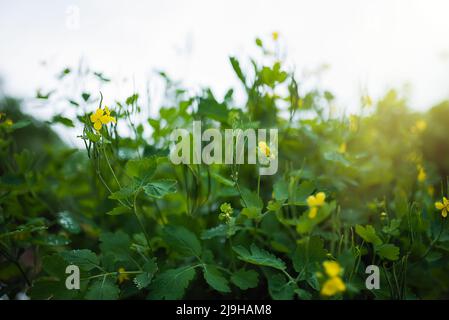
{"x": 275, "y": 199}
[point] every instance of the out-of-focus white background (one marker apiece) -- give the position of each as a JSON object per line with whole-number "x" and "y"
{"x": 369, "y": 45}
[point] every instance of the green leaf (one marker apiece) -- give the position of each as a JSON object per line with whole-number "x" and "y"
{"x": 309, "y": 251}
{"x": 301, "y": 193}
{"x": 84, "y": 258}
{"x": 159, "y": 188}
{"x": 218, "y": 231}
{"x": 142, "y": 169}
{"x": 119, "y": 211}
{"x": 103, "y": 289}
{"x": 388, "y": 251}
{"x": 63, "y": 120}
{"x": 67, "y": 221}
{"x": 220, "y": 179}
{"x": 144, "y": 279}
{"x": 251, "y": 213}
{"x": 124, "y": 193}
{"x": 21, "y": 124}
{"x": 279, "y": 288}
{"x": 280, "y": 190}
{"x": 238, "y": 71}
{"x": 182, "y": 240}
{"x": 245, "y": 279}
{"x": 259, "y": 257}
{"x": 92, "y": 136}
{"x": 215, "y": 279}
{"x": 251, "y": 199}
{"x": 306, "y": 224}
{"x": 117, "y": 244}
{"x": 171, "y": 284}
{"x": 368, "y": 234}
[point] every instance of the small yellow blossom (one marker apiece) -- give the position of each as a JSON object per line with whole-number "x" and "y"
{"x": 314, "y": 202}
{"x": 9, "y": 122}
{"x": 342, "y": 148}
{"x": 264, "y": 148}
{"x": 420, "y": 126}
{"x": 383, "y": 215}
{"x": 101, "y": 117}
{"x": 332, "y": 268}
{"x": 421, "y": 173}
{"x": 333, "y": 286}
{"x": 275, "y": 35}
{"x": 122, "y": 275}
{"x": 443, "y": 206}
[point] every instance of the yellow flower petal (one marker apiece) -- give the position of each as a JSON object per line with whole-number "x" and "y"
{"x": 439, "y": 205}
{"x": 320, "y": 197}
{"x": 445, "y": 201}
{"x": 333, "y": 286}
{"x": 311, "y": 201}
{"x": 312, "y": 213}
{"x": 122, "y": 275}
{"x": 444, "y": 213}
{"x": 332, "y": 268}
{"x": 97, "y": 125}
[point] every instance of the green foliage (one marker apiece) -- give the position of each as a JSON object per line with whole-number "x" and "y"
{"x": 139, "y": 226}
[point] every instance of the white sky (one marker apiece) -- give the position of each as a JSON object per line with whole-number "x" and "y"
{"x": 368, "y": 44}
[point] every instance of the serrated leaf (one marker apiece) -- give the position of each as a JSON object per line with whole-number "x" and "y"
{"x": 218, "y": 231}
{"x": 259, "y": 256}
{"x": 142, "y": 169}
{"x": 279, "y": 288}
{"x": 368, "y": 234}
{"x": 171, "y": 284}
{"x": 309, "y": 251}
{"x": 388, "y": 251}
{"x": 251, "y": 199}
{"x": 144, "y": 279}
{"x": 182, "y": 240}
{"x": 159, "y": 188}
{"x": 123, "y": 193}
{"x": 117, "y": 244}
{"x": 245, "y": 279}
{"x": 215, "y": 279}
{"x": 103, "y": 289}
{"x": 84, "y": 258}
{"x": 280, "y": 190}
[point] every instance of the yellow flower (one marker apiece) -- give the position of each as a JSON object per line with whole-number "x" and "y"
{"x": 9, "y": 122}
{"x": 264, "y": 148}
{"x": 275, "y": 35}
{"x": 333, "y": 286}
{"x": 101, "y": 117}
{"x": 314, "y": 202}
{"x": 122, "y": 275}
{"x": 421, "y": 173}
{"x": 332, "y": 268}
{"x": 342, "y": 148}
{"x": 419, "y": 126}
{"x": 443, "y": 206}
